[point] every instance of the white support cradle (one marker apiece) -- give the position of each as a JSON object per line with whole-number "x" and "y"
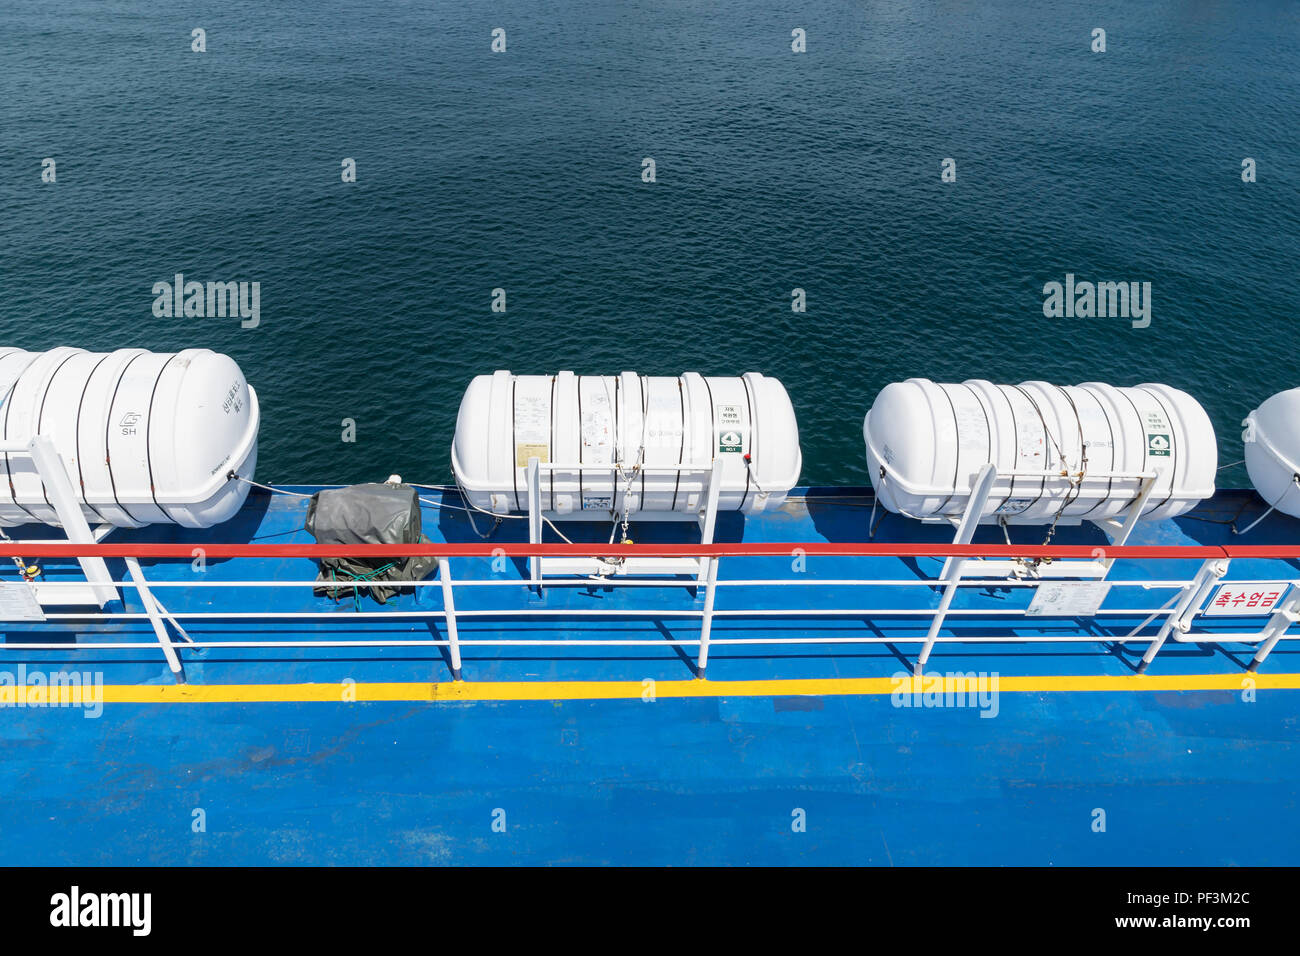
{"x": 706, "y": 518}
{"x": 955, "y": 568}
{"x": 1097, "y": 568}
{"x": 99, "y": 588}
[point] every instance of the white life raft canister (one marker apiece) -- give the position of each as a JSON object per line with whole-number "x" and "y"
{"x": 1272, "y": 448}
{"x": 1067, "y": 453}
{"x": 145, "y": 437}
{"x": 621, "y": 438}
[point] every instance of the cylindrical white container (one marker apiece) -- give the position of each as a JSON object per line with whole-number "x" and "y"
{"x": 611, "y": 424}
{"x": 1073, "y": 452}
{"x": 145, "y": 437}
{"x": 1272, "y": 445}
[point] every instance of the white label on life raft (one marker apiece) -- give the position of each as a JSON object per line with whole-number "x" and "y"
{"x": 1158, "y": 435}
{"x": 18, "y": 603}
{"x": 1158, "y": 445}
{"x": 731, "y": 439}
{"x": 539, "y": 450}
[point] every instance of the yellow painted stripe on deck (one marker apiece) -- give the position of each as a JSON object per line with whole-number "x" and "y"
{"x": 617, "y": 690}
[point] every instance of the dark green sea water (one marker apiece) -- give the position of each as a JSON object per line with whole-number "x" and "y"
{"x": 522, "y": 170}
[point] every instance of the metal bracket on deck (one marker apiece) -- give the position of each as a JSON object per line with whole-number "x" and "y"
{"x": 99, "y": 589}
{"x": 706, "y": 517}
{"x": 1278, "y": 624}
{"x": 1193, "y": 597}
{"x": 955, "y": 568}
{"x": 159, "y": 617}
{"x": 1118, "y": 531}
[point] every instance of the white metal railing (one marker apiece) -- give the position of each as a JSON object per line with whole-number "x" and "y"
{"x": 1174, "y": 619}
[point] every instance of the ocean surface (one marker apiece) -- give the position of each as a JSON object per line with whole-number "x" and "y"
{"x": 774, "y": 171}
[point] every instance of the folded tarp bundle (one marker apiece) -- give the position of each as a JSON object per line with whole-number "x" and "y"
{"x": 367, "y": 514}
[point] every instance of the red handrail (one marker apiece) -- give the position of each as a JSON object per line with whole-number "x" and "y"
{"x": 755, "y": 549}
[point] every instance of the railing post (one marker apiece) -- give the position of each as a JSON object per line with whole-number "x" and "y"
{"x": 709, "y": 519}
{"x": 980, "y": 489}
{"x": 449, "y": 615}
{"x": 1210, "y": 572}
{"x": 1278, "y": 624}
{"x": 953, "y": 577}
{"x": 1130, "y": 521}
{"x": 706, "y": 620}
{"x": 534, "y": 478}
{"x": 156, "y": 619}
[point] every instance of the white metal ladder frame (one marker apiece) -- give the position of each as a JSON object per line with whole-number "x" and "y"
{"x": 706, "y": 517}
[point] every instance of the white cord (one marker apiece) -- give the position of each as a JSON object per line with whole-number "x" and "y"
{"x": 257, "y": 484}
{"x": 1295, "y": 482}
{"x": 473, "y": 507}
{"x": 432, "y": 504}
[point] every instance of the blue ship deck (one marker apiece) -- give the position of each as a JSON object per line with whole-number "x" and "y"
{"x": 353, "y": 754}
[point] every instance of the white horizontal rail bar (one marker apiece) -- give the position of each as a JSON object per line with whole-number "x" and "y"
{"x": 886, "y": 612}
{"x": 617, "y": 581}
{"x": 630, "y": 642}
{"x": 613, "y": 466}
{"x": 587, "y": 612}
{"x": 1180, "y": 610}
{"x": 1089, "y": 475}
